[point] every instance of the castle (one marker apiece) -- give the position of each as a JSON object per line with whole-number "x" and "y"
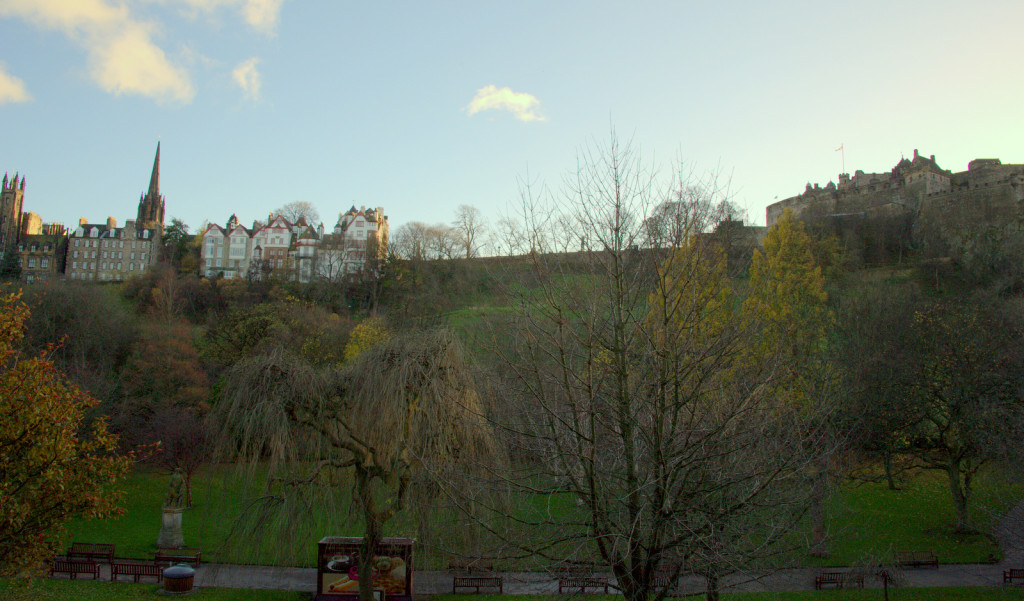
{"x": 917, "y": 203}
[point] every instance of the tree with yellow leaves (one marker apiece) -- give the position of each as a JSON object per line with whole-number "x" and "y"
{"x": 51, "y": 465}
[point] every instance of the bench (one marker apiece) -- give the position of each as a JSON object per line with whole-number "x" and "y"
{"x": 580, "y": 584}
{"x": 136, "y": 569}
{"x": 182, "y": 555}
{"x": 1013, "y": 574}
{"x": 74, "y": 567}
{"x": 838, "y": 580}
{"x": 91, "y": 551}
{"x": 916, "y": 559}
{"x": 477, "y": 582}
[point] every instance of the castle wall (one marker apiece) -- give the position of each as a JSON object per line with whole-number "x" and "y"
{"x": 939, "y": 206}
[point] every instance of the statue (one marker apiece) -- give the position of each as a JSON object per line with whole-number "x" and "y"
{"x": 175, "y": 498}
{"x": 171, "y": 534}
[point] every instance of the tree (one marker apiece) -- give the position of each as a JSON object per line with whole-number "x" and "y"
{"x": 10, "y": 264}
{"x": 176, "y": 243}
{"x": 299, "y": 209}
{"x": 469, "y": 227}
{"x": 632, "y": 390}
{"x": 963, "y": 382}
{"x": 165, "y": 398}
{"x": 400, "y": 408}
{"x": 52, "y": 464}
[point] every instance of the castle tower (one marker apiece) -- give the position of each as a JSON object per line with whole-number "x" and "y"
{"x": 151, "y": 205}
{"x": 12, "y": 196}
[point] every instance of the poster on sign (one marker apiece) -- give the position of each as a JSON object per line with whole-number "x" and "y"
{"x": 338, "y": 568}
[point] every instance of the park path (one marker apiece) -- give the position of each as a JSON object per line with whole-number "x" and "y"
{"x": 429, "y": 583}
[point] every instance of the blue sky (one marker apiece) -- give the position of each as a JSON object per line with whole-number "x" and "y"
{"x": 419, "y": 107}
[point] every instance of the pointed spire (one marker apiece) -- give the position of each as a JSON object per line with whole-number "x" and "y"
{"x": 154, "y": 179}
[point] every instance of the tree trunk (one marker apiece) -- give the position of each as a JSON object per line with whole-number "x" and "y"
{"x": 188, "y": 489}
{"x": 371, "y": 534}
{"x": 959, "y": 485}
{"x": 819, "y": 518}
{"x": 890, "y": 478}
{"x": 711, "y": 593}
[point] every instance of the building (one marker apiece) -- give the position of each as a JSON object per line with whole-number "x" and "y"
{"x": 359, "y": 240}
{"x": 296, "y": 251}
{"x": 12, "y": 196}
{"x": 151, "y": 204}
{"x": 42, "y": 249}
{"x": 106, "y": 253}
{"x": 916, "y": 203}
{"x": 103, "y": 252}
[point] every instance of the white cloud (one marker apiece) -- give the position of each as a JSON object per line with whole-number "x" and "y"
{"x": 123, "y": 59}
{"x": 261, "y": 15}
{"x": 524, "y": 106}
{"x": 12, "y": 89}
{"x": 247, "y": 76}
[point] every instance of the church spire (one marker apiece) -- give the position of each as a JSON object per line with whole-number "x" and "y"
{"x": 154, "y": 179}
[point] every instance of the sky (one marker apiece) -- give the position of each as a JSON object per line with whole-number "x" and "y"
{"x": 419, "y": 107}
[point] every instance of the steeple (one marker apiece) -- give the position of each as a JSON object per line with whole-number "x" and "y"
{"x": 151, "y": 205}
{"x": 154, "y": 179}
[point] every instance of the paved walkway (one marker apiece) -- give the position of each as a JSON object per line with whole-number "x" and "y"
{"x": 520, "y": 583}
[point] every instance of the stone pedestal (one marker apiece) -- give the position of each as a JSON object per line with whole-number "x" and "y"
{"x": 170, "y": 532}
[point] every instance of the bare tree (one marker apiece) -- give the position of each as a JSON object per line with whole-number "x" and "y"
{"x": 509, "y": 236}
{"x": 470, "y": 227}
{"x": 298, "y": 209}
{"x": 641, "y": 390}
{"x": 404, "y": 407}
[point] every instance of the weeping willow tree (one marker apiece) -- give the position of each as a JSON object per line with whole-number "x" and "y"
{"x": 402, "y": 409}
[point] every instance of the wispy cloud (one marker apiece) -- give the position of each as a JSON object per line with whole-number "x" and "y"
{"x": 261, "y": 15}
{"x": 524, "y": 106}
{"x": 12, "y": 89}
{"x": 247, "y": 76}
{"x": 122, "y": 56}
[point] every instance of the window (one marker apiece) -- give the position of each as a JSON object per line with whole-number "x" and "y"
{"x": 44, "y": 262}
{"x": 74, "y": 265}
{"x": 75, "y": 254}
{"x": 31, "y": 262}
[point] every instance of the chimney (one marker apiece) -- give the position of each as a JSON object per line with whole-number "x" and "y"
{"x": 111, "y": 223}
{"x": 82, "y": 221}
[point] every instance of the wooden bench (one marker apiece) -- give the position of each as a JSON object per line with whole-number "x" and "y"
{"x": 91, "y": 551}
{"x": 136, "y": 569}
{"x": 1013, "y": 574}
{"x": 580, "y": 584}
{"x": 477, "y": 582}
{"x": 74, "y": 567}
{"x": 838, "y": 580}
{"x": 916, "y": 559}
{"x": 182, "y": 555}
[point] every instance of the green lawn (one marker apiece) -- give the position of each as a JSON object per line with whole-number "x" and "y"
{"x": 868, "y": 522}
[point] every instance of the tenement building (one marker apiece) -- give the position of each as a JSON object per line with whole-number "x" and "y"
{"x": 103, "y": 252}
{"x": 296, "y": 251}
{"x": 42, "y": 249}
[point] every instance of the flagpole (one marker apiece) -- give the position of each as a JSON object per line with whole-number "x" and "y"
{"x": 842, "y": 150}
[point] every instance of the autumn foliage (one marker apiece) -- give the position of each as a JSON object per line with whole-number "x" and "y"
{"x": 53, "y": 464}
